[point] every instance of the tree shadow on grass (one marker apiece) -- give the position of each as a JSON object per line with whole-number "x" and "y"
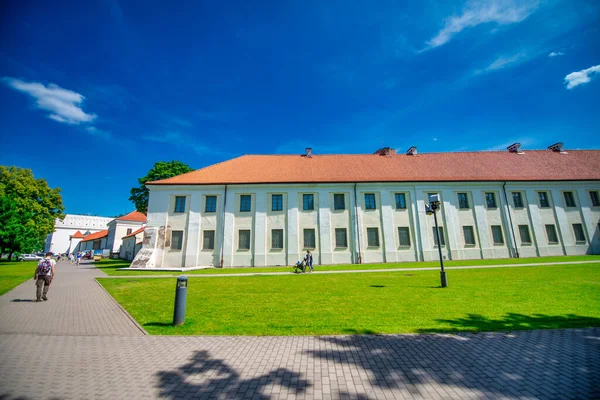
{"x": 513, "y": 321}
{"x": 539, "y": 364}
{"x": 205, "y": 377}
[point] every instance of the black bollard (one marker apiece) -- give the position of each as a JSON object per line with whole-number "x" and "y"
{"x": 180, "y": 300}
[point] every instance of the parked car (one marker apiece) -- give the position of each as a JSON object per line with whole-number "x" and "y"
{"x": 29, "y": 257}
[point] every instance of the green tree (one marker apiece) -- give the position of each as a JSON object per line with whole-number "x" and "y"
{"x": 28, "y": 209}
{"x": 161, "y": 170}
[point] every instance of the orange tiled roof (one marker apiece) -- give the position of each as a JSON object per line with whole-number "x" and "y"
{"x": 133, "y": 216}
{"x": 134, "y": 233}
{"x": 77, "y": 235}
{"x": 533, "y": 165}
{"x": 97, "y": 235}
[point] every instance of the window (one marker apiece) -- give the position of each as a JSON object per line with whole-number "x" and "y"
{"x": 309, "y": 238}
{"x": 209, "y": 240}
{"x": 403, "y": 236}
{"x": 490, "y": 199}
{"x": 569, "y": 199}
{"x": 469, "y": 235}
{"x": 543, "y": 196}
{"x": 244, "y": 243}
{"x": 176, "y": 240}
{"x": 277, "y": 239}
{"x": 277, "y": 202}
{"x": 579, "y": 235}
{"x": 339, "y": 202}
{"x": 551, "y": 233}
{"x": 595, "y": 199}
{"x": 463, "y": 201}
{"x": 517, "y": 199}
{"x": 341, "y": 238}
{"x": 370, "y": 201}
{"x": 211, "y": 204}
{"x": 524, "y": 232}
{"x": 400, "y": 201}
{"x": 497, "y": 234}
{"x": 308, "y": 202}
{"x": 179, "y": 204}
{"x": 442, "y": 239}
{"x": 245, "y": 202}
{"x": 373, "y": 237}
{"x": 128, "y": 231}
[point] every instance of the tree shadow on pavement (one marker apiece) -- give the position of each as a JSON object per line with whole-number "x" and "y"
{"x": 541, "y": 364}
{"x": 204, "y": 377}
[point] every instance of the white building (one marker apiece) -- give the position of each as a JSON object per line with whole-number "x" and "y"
{"x": 122, "y": 226}
{"x": 269, "y": 209}
{"x": 59, "y": 241}
{"x": 131, "y": 244}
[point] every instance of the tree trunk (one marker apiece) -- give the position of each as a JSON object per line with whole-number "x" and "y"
{"x": 10, "y": 256}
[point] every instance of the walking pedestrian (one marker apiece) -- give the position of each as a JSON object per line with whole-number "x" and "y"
{"x": 44, "y": 273}
{"x": 309, "y": 260}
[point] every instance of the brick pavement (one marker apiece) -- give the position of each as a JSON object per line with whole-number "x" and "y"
{"x": 59, "y": 361}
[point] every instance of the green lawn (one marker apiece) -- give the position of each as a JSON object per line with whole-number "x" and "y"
{"x": 395, "y": 302}
{"x": 110, "y": 266}
{"x": 12, "y": 274}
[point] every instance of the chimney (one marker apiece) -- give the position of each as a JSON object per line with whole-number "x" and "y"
{"x": 412, "y": 151}
{"x": 308, "y": 152}
{"x": 515, "y": 148}
{"x": 557, "y": 147}
{"x": 385, "y": 151}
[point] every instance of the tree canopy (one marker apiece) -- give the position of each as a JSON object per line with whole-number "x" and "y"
{"x": 161, "y": 170}
{"x": 28, "y": 209}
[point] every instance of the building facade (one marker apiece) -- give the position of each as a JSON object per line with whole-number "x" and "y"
{"x": 131, "y": 244}
{"x": 122, "y": 226}
{"x": 60, "y": 241}
{"x": 269, "y": 210}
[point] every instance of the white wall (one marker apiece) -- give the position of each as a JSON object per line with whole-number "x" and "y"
{"x": 386, "y": 218}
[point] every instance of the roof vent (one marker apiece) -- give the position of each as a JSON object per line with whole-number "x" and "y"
{"x": 308, "y": 152}
{"x": 515, "y": 148}
{"x": 412, "y": 151}
{"x": 558, "y": 147}
{"x": 385, "y": 151}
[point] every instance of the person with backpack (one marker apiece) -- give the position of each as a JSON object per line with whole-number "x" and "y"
{"x": 44, "y": 273}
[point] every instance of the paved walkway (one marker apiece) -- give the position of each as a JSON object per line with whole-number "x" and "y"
{"x": 81, "y": 345}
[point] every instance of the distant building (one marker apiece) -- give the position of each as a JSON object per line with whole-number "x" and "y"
{"x": 60, "y": 241}
{"x": 93, "y": 241}
{"x": 260, "y": 210}
{"x": 122, "y": 226}
{"x": 131, "y": 244}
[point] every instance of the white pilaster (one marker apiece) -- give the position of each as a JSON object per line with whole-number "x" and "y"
{"x": 481, "y": 223}
{"x": 567, "y": 239}
{"x": 293, "y": 241}
{"x": 229, "y": 229}
{"x": 390, "y": 252}
{"x": 260, "y": 229}
{"x": 193, "y": 234}
{"x": 325, "y": 248}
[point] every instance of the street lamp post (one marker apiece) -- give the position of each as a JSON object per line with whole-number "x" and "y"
{"x": 431, "y": 208}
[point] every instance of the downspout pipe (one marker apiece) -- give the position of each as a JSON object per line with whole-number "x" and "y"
{"x": 357, "y": 234}
{"x": 223, "y": 227}
{"x": 512, "y": 229}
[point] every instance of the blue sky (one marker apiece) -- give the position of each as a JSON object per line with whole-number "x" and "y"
{"x": 93, "y": 93}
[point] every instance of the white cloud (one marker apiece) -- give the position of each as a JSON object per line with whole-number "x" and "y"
{"x": 556, "y": 53}
{"x": 506, "y": 61}
{"x": 63, "y": 105}
{"x": 501, "y": 12}
{"x": 581, "y": 77}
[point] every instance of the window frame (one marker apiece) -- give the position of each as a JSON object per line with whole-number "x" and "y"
{"x": 240, "y": 239}
{"x": 518, "y": 195}
{"x": 209, "y": 201}
{"x": 400, "y": 199}
{"x": 595, "y": 200}
{"x": 129, "y": 230}
{"x": 368, "y": 205}
{"x": 545, "y": 203}
{"x": 463, "y": 200}
{"x": 243, "y": 202}
{"x": 442, "y": 238}
{"x": 575, "y": 231}
{"x": 525, "y": 229}
{"x": 204, "y": 237}
{"x": 487, "y": 200}
{"x": 173, "y": 241}
{"x": 472, "y": 233}
{"x": 314, "y": 238}
{"x": 369, "y": 234}
{"x": 337, "y": 244}
{"x": 277, "y": 202}
{"x": 494, "y": 242}
{"x": 273, "y": 241}
{"x": 178, "y": 204}
{"x": 546, "y": 226}
{"x": 569, "y": 199}
{"x": 407, "y": 230}
{"x": 305, "y": 197}
{"x": 336, "y": 205}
